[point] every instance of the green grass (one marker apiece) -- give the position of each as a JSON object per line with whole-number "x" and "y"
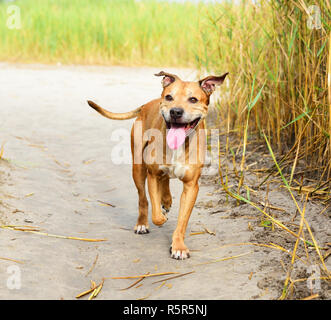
{"x": 103, "y": 32}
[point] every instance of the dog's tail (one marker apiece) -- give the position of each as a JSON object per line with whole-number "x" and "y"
{"x": 114, "y": 116}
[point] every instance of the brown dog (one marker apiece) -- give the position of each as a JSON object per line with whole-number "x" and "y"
{"x": 167, "y": 134}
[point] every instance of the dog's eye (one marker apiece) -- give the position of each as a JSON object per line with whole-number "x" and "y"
{"x": 193, "y": 100}
{"x": 168, "y": 97}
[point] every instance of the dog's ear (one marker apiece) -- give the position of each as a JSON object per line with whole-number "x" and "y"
{"x": 208, "y": 84}
{"x": 168, "y": 78}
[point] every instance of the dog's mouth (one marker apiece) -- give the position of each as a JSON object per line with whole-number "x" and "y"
{"x": 188, "y": 127}
{"x": 177, "y": 132}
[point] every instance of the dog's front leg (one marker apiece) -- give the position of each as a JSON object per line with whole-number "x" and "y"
{"x": 154, "y": 189}
{"x": 178, "y": 249}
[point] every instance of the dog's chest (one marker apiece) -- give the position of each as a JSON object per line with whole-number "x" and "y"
{"x": 175, "y": 167}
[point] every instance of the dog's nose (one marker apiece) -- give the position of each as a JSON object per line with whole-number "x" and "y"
{"x": 176, "y": 113}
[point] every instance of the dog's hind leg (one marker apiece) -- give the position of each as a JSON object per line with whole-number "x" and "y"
{"x": 139, "y": 173}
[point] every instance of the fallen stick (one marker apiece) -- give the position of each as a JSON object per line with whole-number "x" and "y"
{"x": 144, "y": 275}
{"x": 13, "y": 260}
{"x": 1, "y": 150}
{"x": 269, "y": 206}
{"x": 258, "y": 245}
{"x": 136, "y": 282}
{"x": 209, "y": 232}
{"x": 96, "y": 291}
{"x": 143, "y": 298}
{"x": 196, "y": 233}
{"x": 224, "y": 259}
{"x": 93, "y": 265}
{"x": 106, "y": 204}
{"x": 21, "y": 228}
{"x": 174, "y": 277}
{"x": 85, "y": 293}
{"x": 51, "y": 235}
{"x": 314, "y": 296}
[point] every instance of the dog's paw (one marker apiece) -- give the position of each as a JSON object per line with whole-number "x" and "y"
{"x": 165, "y": 211}
{"x": 160, "y": 219}
{"x": 180, "y": 254}
{"x": 141, "y": 229}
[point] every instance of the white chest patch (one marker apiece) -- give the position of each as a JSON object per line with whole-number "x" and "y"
{"x": 176, "y": 168}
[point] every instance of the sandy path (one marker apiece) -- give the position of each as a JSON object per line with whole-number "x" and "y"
{"x": 60, "y": 166}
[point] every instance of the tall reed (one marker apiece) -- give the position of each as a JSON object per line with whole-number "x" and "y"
{"x": 279, "y": 92}
{"x": 272, "y": 45}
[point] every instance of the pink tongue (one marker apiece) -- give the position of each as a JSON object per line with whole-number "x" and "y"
{"x": 175, "y": 137}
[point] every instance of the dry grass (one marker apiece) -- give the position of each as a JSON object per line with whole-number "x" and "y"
{"x": 279, "y": 81}
{"x": 35, "y": 230}
{"x": 279, "y": 96}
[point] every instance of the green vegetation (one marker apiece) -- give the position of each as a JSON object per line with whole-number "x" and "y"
{"x": 273, "y": 54}
{"x": 123, "y": 32}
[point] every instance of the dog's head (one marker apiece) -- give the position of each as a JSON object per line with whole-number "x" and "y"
{"x": 184, "y": 104}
